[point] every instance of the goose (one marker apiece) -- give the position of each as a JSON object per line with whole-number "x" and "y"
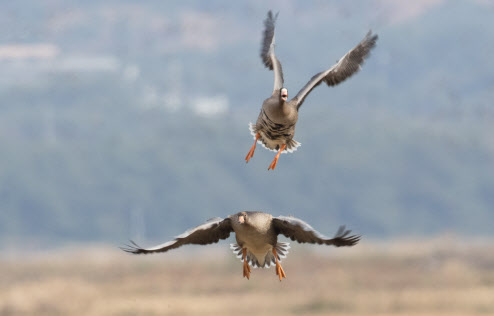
{"x": 275, "y": 126}
{"x": 256, "y": 234}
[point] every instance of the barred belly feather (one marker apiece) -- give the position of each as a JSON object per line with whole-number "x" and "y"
{"x": 273, "y": 135}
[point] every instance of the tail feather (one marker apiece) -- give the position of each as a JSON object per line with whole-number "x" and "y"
{"x": 281, "y": 250}
{"x": 237, "y": 250}
{"x": 291, "y": 146}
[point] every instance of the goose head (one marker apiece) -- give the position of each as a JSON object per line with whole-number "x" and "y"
{"x": 283, "y": 94}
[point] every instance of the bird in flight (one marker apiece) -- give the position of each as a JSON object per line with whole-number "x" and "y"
{"x": 256, "y": 234}
{"x": 275, "y": 126}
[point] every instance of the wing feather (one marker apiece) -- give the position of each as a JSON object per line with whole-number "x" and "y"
{"x": 298, "y": 230}
{"x": 267, "y": 51}
{"x": 210, "y": 232}
{"x": 343, "y": 69}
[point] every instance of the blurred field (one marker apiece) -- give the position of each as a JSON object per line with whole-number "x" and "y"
{"x": 439, "y": 277}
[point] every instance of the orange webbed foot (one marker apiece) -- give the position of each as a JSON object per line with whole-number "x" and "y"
{"x": 272, "y": 166}
{"x": 250, "y": 154}
{"x": 246, "y": 266}
{"x": 279, "y": 270}
{"x": 246, "y": 271}
{"x": 273, "y": 163}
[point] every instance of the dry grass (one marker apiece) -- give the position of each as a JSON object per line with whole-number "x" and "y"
{"x": 408, "y": 278}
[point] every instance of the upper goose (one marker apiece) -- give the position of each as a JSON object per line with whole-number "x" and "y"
{"x": 275, "y": 126}
{"x": 256, "y": 234}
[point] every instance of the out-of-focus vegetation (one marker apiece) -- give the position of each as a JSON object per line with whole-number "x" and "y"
{"x": 113, "y": 134}
{"x": 442, "y": 277}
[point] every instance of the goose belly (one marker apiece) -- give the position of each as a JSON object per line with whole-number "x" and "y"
{"x": 270, "y": 143}
{"x": 259, "y": 251}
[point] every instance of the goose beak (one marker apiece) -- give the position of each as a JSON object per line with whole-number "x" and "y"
{"x": 284, "y": 94}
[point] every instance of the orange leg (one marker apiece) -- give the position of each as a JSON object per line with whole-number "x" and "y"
{"x": 250, "y": 154}
{"x": 246, "y": 264}
{"x": 275, "y": 160}
{"x": 279, "y": 270}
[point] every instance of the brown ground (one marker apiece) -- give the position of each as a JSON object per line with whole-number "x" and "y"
{"x": 442, "y": 277}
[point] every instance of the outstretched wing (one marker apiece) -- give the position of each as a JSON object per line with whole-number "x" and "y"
{"x": 267, "y": 51}
{"x": 343, "y": 69}
{"x": 210, "y": 232}
{"x": 298, "y": 230}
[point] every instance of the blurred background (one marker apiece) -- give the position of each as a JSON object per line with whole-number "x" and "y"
{"x": 129, "y": 120}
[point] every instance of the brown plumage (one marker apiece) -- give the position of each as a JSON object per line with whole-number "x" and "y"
{"x": 275, "y": 126}
{"x": 256, "y": 234}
